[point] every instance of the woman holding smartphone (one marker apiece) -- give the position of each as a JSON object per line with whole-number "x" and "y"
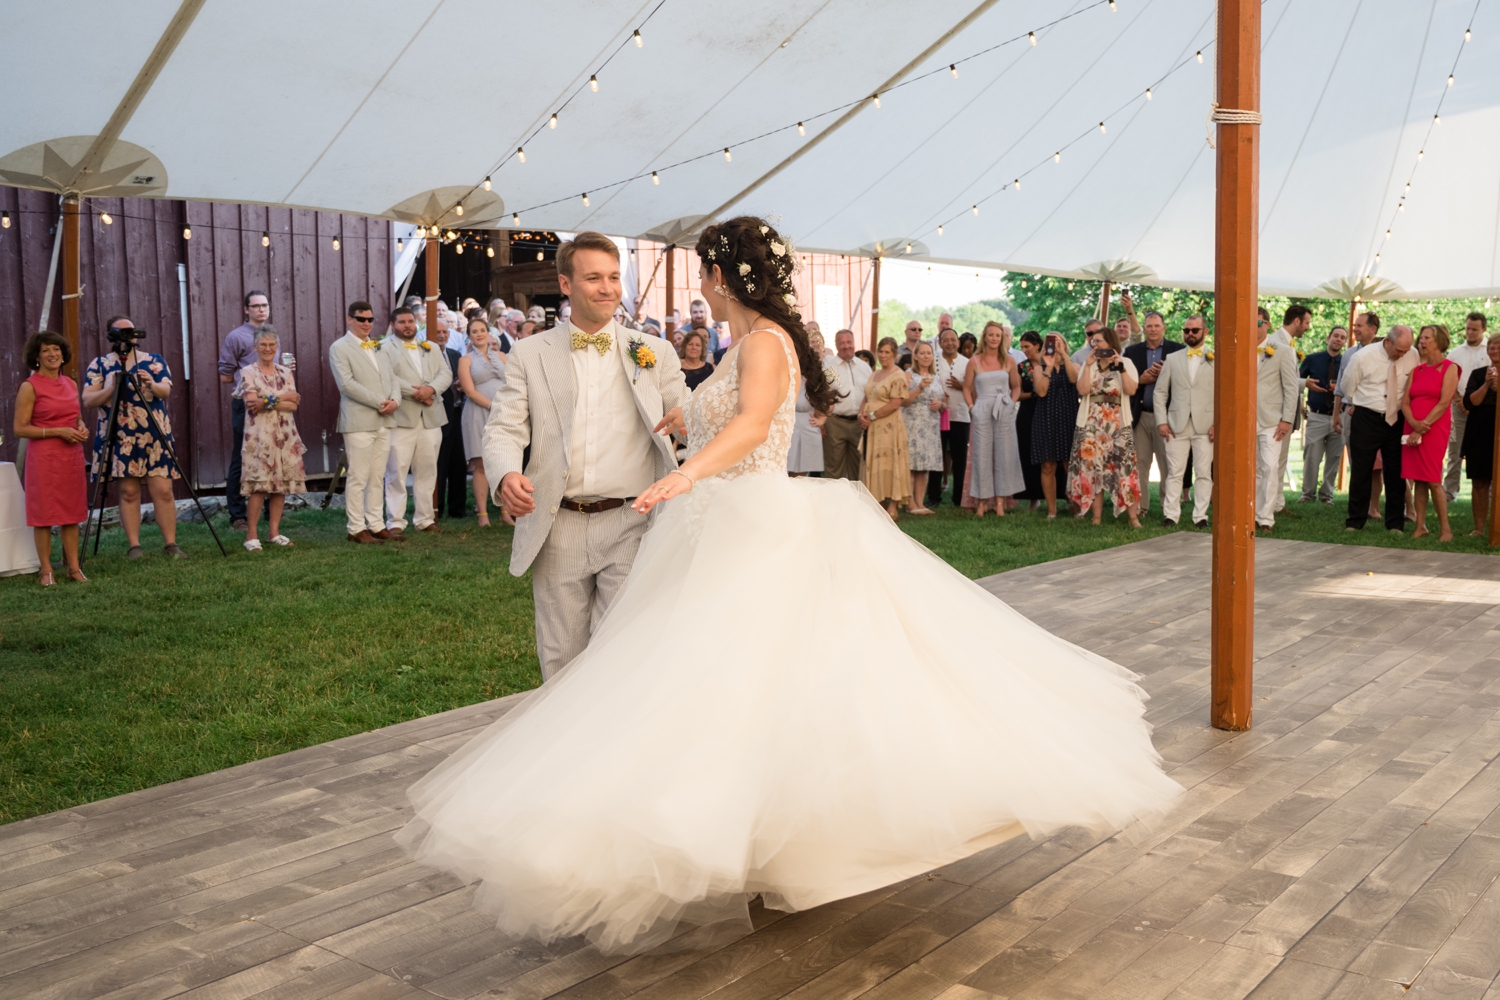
{"x": 1103, "y": 461}
{"x": 1053, "y": 420}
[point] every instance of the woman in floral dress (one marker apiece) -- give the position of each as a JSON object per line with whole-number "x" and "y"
{"x": 887, "y": 467}
{"x": 271, "y": 458}
{"x": 1103, "y": 462}
{"x": 924, "y": 440}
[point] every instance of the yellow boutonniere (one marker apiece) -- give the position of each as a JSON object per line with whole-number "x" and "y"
{"x": 1300, "y": 356}
{"x": 426, "y": 345}
{"x": 1268, "y": 350}
{"x": 1208, "y": 356}
{"x": 643, "y": 356}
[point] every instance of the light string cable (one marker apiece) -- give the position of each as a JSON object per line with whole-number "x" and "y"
{"x": 948, "y": 68}
{"x": 1432, "y": 125}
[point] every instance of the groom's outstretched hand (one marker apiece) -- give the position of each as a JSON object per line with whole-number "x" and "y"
{"x": 515, "y": 494}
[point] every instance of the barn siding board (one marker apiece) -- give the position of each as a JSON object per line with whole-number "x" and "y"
{"x": 131, "y": 267}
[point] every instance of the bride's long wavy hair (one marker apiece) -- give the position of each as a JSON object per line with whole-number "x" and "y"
{"x": 758, "y": 264}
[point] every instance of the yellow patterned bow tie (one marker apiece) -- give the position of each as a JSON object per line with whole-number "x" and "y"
{"x": 600, "y": 340}
{"x": 1195, "y": 352}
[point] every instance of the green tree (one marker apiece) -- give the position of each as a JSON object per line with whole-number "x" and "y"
{"x": 967, "y": 318}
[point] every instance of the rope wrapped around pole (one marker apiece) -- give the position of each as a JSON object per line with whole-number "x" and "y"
{"x": 1229, "y": 116}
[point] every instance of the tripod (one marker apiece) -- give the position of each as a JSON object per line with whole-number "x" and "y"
{"x": 123, "y": 350}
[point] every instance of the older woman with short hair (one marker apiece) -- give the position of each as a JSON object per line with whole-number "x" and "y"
{"x": 693, "y": 350}
{"x": 47, "y": 414}
{"x": 272, "y": 450}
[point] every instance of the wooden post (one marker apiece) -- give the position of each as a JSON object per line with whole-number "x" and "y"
{"x": 70, "y": 266}
{"x": 1103, "y": 312}
{"x": 875, "y": 306}
{"x": 1236, "y": 244}
{"x": 667, "y": 323}
{"x": 432, "y": 280}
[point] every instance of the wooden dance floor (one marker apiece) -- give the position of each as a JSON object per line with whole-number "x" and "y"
{"x": 1346, "y": 847}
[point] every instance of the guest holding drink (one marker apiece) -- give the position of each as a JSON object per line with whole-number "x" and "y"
{"x": 271, "y": 455}
{"x": 1427, "y": 406}
{"x": 481, "y": 373}
{"x": 923, "y": 423}
{"x": 1479, "y": 433}
{"x": 48, "y": 415}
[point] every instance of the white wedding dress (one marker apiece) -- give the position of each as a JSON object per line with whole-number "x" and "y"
{"x": 789, "y": 697}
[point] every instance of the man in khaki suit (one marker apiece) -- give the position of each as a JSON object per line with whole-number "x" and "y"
{"x": 587, "y": 397}
{"x": 1276, "y": 398}
{"x": 1184, "y": 405}
{"x": 367, "y": 411}
{"x": 422, "y": 373}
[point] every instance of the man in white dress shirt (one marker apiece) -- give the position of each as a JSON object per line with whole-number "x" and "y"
{"x": 1296, "y": 321}
{"x": 951, "y": 367}
{"x": 1365, "y": 329}
{"x": 1471, "y": 355}
{"x": 367, "y": 410}
{"x": 422, "y": 373}
{"x": 1377, "y": 378}
{"x": 1184, "y": 408}
{"x": 845, "y": 426}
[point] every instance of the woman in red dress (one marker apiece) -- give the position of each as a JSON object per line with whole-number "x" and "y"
{"x": 56, "y": 489}
{"x": 1427, "y": 404}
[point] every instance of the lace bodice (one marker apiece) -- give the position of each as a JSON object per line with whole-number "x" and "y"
{"x": 715, "y": 403}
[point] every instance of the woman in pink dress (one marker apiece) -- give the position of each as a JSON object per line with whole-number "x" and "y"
{"x": 47, "y": 413}
{"x": 1426, "y": 404}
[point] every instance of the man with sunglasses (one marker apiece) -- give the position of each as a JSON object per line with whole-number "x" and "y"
{"x": 1184, "y": 409}
{"x": 368, "y": 398}
{"x": 913, "y": 338}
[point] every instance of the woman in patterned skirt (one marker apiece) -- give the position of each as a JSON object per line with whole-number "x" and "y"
{"x": 924, "y": 441}
{"x": 272, "y": 452}
{"x": 1103, "y": 462}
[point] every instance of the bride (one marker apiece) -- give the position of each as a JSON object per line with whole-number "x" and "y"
{"x": 789, "y": 697}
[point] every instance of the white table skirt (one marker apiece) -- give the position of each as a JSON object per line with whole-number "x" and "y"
{"x": 17, "y": 550}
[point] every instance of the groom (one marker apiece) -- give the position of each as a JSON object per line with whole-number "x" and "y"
{"x": 586, "y": 396}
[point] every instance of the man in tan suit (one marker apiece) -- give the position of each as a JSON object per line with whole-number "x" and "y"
{"x": 1184, "y": 405}
{"x": 422, "y": 373}
{"x": 587, "y": 397}
{"x": 1276, "y": 397}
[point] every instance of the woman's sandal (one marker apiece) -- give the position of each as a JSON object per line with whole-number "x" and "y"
{"x": 252, "y": 545}
{"x": 484, "y": 520}
{"x": 281, "y": 540}
{"x": 76, "y": 575}
{"x": 45, "y": 578}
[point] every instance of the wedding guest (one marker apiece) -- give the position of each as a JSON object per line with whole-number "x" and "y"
{"x": 1082, "y": 355}
{"x": 1276, "y": 398}
{"x": 805, "y": 457}
{"x": 967, "y": 345}
{"x": 138, "y": 457}
{"x": 696, "y": 368}
{"x": 1479, "y": 433}
{"x": 1148, "y": 358}
{"x": 1365, "y": 328}
{"x": 924, "y": 440}
{"x": 1055, "y": 418}
{"x": 1471, "y": 356}
{"x": 1295, "y": 321}
{"x": 1377, "y": 380}
{"x": 422, "y": 374}
{"x": 846, "y": 424}
{"x": 991, "y": 384}
{"x": 1427, "y": 405}
{"x": 368, "y": 397}
{"x": 887, "y": 470}
{"x": 951, "y": 368}
{"x": 237, "y": 352}
{"x": 272, "y": 447}
{"x": 481, "y": 373}
{"x": 452, "y": 465}
{"x": 495, "y": 315}
{"x": 913, "y": 338}
{"x": 1184, "y": 402}
{"x": 1031, "y": 347}
{"x": 1103, "y": 459}
{"x": 536, "y": 315}
{"x": 1321, "y": 444}
{"x": 47, "y": 414}
{"x": 866, "y": 357}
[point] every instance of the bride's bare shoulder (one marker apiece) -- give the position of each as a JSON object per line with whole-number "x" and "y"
{"x": 764, "y": 348}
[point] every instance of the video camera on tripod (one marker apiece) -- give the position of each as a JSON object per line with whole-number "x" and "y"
{"x": 122, "y": 339}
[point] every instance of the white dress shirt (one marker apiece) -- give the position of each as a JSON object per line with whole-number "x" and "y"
{"x": 1468, "y": 360}
{"x": 851, "y": 377}
{"x": 1370, "y": 375}
{"x": 610, "y": 454}
{"x": 958, "y": 410}
{"x": 1194, "y": 362}
{"x": 1345, "y": 385}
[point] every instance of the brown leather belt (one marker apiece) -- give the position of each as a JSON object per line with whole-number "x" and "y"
{"x": 842, "y": 416}
{"x": 597, "y": 507}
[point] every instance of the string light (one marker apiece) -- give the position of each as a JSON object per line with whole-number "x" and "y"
{"x": 1023, "y": 280}
{"x": 539, "y": 255}
{"x": 1401, "y": 205}
{"x": 1031, "y": 37}
{"x": 877, "y": 100}
{"x": 400, "y": 243}
{"x": 1421, "y": 153}
{"x": 452, "y": 235}
{"x": 187, "y": 232}
{"x": 1111, "y": 4}
{"x": 489, "y": 251}
{"x": 585, "y": 199}
{"x": 335, "y": 242}
{"x": 594, "y": 84}
{"x": 727, "y": 157}
{"x": 458, "y": 209}
{"x": 1057, "y": 156}
{"x": 459, "y": 248}
{"x": 1200, "y": 55}
{"x": 639, "y": 41}
{"x": 801, "y": 129}
{"x": 552, "y": 123}
{"x": 4, "y": 220}
{"x": 953, "y": 68}
{"x": 1408, "y": 188}
{"x": 974, "y": 209}
{"x": 1450, "y": 79}
{"x": 940, "y": 230}
{"x": 1377, "y": 258}
{"x": 1070, "y": 286}
{"x": 1387, "y": 234}
{"x": 1148, "y": 93}
{"x": 1017, "y": 183}
{"x": 521, "y": 154}
{"x": 1101, "y": 128}
{"x": 908, "y": 248}
{"x": 515, "y": 218}
{"x": 265, "y": 240}
{"x": 1466, "y": 34}
{"x": 487, "y": 185}
{"x": 655, "y": 178}
{"x": 105, "y": 218}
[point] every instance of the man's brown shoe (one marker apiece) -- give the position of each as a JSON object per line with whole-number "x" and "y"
{"x": 365, "y": 538}
{"x": 390, "y": 535}
{"x": 434, "y": 527}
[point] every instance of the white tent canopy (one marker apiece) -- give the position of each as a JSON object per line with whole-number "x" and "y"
{"x": 401, "y": 109}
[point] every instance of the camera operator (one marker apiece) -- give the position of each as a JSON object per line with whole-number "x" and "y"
{"x": 137, "y": 455}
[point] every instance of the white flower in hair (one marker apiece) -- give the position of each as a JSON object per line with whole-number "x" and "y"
{"x": 764, "y": 230}
{"x": 779, "y": 249}
{"x": 791, "y": 299}
{"x": 744, "y": 269}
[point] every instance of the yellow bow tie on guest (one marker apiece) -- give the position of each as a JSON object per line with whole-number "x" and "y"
{"x": 600, "y": 340}
{"x": 1195, "y": 352}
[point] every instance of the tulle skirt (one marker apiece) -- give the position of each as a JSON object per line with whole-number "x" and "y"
{"x": 789, "y": 697}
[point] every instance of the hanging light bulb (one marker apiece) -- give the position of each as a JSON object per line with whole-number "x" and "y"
{"x": 487, "y": 185}
{"x": 1437, "y": 119}
{"x": 1148, "y": 93}
{"x": 1408, "y": 187}
{"x": 585, "y": 199}
{"x": 335, "y": 242}
{"x": 540, "y": 255}
{"x": 940, "y": 230}
{"x": 459, "y": 248}
{"x": 801, "y": 129}
{"x": 552, "y": 123}
{"x": 1031, "y": 37}
{"x": 1421, "y": 153}
{"x": 265, "y": 240}
{"x": 594, "y": 84}
{"x": 1466, "y": 38}
{"x": 187, "y": 232}
{"x": 1101, "y": 128}
{"x": 953, "y": 68}
{"x": 515, "y": 218}
{"x": 1111, "y": 4}
{"x": 1377, "y": 258}
{"x": 1200, "y": 55}
{"x": 877, "y": 100}
{"x": 4, "y": 220}
{"x": 1401, "y": 205}
{"x": 655, "y": 178}
{"x": 106, "y": 218}
{"x": 632, "y": 255}
{"x": 1057, "y": 156}
{"x": 1387, "y": 234}
{"x": 727, "y": 157}
{"x": 458, "y": 210}
{"x": 1070, "y": 286}
{"x": 1023, "y": 281}
{"x": 908, "y": 248}
{"x": 521, "y": 154}
{"x": 400, "y": 243}
{"x": 639, "y": 41}
{"x": 974, "y": 209}
{"x": 1450, "y": 79}
{"x": 489, "y": 251}
{"x": 452, "y": 235}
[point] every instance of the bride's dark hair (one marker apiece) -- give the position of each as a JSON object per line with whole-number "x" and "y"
{"x": 757, "y": 265}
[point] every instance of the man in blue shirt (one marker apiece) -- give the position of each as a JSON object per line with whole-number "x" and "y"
{"x": 1320, "y": 442}
{"x": 237, "y": 352}
{"x": 1148, "y": 358}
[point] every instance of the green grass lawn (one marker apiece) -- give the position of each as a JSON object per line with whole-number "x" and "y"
{"x": 159, "y": 670}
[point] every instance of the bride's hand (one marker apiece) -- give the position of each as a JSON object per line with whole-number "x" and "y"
{"x": 673, "y": 484}
{"x": 672, "y": 422}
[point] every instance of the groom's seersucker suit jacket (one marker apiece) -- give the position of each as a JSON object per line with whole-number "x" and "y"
{"x": 534, "y": 407}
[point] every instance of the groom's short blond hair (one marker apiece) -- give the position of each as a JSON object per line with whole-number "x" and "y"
{"x": 586, "y": 240}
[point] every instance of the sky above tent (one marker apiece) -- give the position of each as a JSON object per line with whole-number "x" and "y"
{"x": 402, "y": 109}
